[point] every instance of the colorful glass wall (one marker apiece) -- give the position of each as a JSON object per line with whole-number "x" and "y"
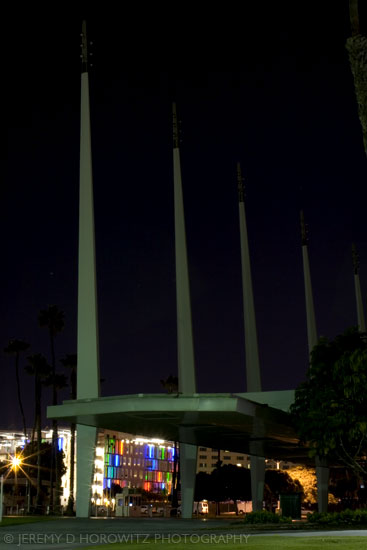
{"x": 136, "y": 463}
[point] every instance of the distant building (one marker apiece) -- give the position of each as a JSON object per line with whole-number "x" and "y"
{"x": 129, "y": 461}
{"x": 132, "y": 461}
{"x": 207, "y": 460}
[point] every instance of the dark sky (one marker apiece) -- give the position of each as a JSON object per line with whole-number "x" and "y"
{"x": 267, "y": 86}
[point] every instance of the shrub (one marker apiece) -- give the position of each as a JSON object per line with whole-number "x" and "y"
{"x": 346, "y": 517}
{"x": 265, "y": 517}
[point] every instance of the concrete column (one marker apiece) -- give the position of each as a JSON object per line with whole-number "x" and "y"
{"x": 310, "y": 310}
{"x": 186, "y": 360}
{"x": 88, "y": 356}
{"x": 188, "y": 457}
{"x": 86, "y": 448}
{"x": 322, "y": 475}
{"x": 185, "y": 344}
{"x": 257, "y": 468}
{"x": 88, "y": 378}
{"x": 253, "y": 377}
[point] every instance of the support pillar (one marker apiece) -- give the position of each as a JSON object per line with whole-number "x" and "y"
{"x": 88, "y": 378}
{"x": 257, "y": 469}
{"x": 253, "y": 377}
{"x": 185, "y": 344}
{"x": 86, "y": 447}
{"x": 310, "y": 309}
{"x": 322, "y": 475}
{"x": 188, "y": 457}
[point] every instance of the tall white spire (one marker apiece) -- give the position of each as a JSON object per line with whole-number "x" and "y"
{"x": 185, "y": 344}
{"x": 88, "y": 355}
{"x": 186, "y": 360}
{"x": 253, "y": 376}
{"x": 310, "y": 310}
{"x": 357, "y": 287}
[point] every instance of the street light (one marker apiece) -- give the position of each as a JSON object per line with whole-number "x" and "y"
{"x": 16, "y": 462}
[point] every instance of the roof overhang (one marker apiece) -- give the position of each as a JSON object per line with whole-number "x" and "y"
{"x": 226, "y": 421}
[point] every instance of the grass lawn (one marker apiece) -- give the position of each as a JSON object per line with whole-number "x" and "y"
{"x": 272, "y": 543}
{"x": 18, "y": 520}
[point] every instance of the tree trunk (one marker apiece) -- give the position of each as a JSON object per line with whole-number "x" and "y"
{"x": 54, "y": 502}
{"x": 38, "y": 396}
{"x": 354, "y": 17}
{"x": 19, "y": 395}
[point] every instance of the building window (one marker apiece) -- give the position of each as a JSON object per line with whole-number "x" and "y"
{"x": 202, "y": 456}
{"x": 226, "y": 458}
{"x": 202, "y": 448}
{"x": 240, "y": 458}
{"x": 202, "y": 465}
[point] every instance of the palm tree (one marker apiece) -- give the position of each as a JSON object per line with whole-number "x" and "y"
{"x": 40, "y": 369}
{"x": 58, "y": 381}
{"x": 53, "y": 319}
{"x": 70, "y": 362}
{"x": 15, "y": 347}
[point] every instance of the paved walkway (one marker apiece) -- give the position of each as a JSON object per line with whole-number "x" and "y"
{"x": 69, "y": 533}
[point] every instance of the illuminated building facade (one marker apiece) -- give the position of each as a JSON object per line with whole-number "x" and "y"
{"x": 129, "y": 461}
{"x": 10, "y": 442}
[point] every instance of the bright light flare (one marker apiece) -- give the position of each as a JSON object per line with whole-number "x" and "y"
{"x": 16, "y": 462}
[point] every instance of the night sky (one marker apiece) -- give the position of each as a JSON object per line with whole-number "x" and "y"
{"x": 269, "y": 87}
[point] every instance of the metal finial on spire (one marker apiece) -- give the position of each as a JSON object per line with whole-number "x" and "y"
{"x": 240, "y": 186}
{"x": 84, "y": 47}
{"x": 355, "y": 259}
{"x": 303, "y": 229}
{"x": 175, "y": 127}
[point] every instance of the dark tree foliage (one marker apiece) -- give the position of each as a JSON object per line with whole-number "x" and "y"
{"x": 203, "y": 487}
{"x": 29, "y": 457}
{"x": 34, "y": 458}
{"x": 279, "y": 481}
{"x": 227, "y": 482}
{"x": 330, "y": 408}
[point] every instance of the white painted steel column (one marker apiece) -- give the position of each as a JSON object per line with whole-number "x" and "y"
{"x": 253, "y": 376}
{"x": 185, "y": 344}
{"x": 310, "y": 310}
{"x": 252, "y": 351}
{"x": 88, "y": 354}
{"x": 322, "y": 470}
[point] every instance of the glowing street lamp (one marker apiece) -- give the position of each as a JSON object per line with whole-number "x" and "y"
{"x": 16, "y": 462}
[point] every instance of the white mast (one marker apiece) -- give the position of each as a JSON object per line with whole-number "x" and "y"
{"x": 186, "y": 361}
{"x": 185, "y": 344}
{"x": 253, "y": 377}
{"x": 310, "y": 310}
{"x": 252, "y": 352}
{"x": 88, "y": 354}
